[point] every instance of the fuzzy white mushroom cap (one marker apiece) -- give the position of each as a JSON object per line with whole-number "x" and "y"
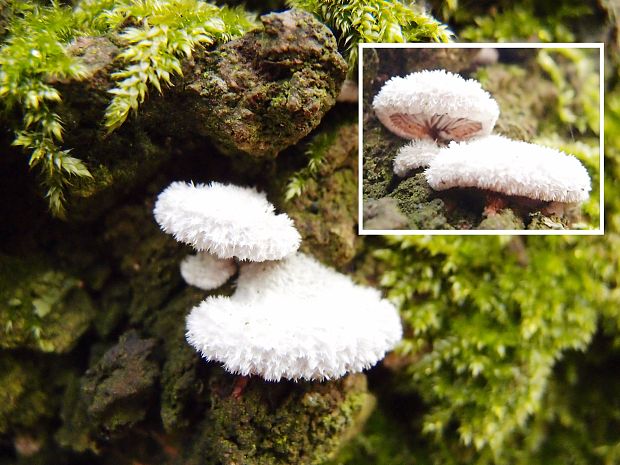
{"x": 437, "y": 105}
{"x": 294, "y": 319}
{"x": 415, "y": 154}
{"x": 510, "y": 167}
{"x": 226, "y": 221}
{"x": 206, "y": 271}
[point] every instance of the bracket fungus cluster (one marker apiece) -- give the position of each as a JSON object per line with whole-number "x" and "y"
{"x": 449, "y": 121}
{"x": 290, "y": 316}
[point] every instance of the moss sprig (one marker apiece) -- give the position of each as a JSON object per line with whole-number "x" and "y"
{"x": 316, "y": 153}
{"x": 33, "y": 56}
{"x": 160, "y": 35}
{"x": 571, "y": 69}
{"x": 486, "y": 349}
{"x": 374, "y": 21}
{"x": 521, "y": 21}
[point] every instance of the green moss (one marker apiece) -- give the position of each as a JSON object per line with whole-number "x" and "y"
{"x": 117, "y": 165}
{"x": 183, "y": 396}
{"x": 118, "y": 385}
{"x": 23, "y": 401}
{"x": 112, "y": 396}
{"x": 575, "y": 74}
{"x": 316, "y": 152}
{"x": 580, "y": 415}
{"x": 33, "y": 54}
{"x": 552, "y": 93}
{"x": 523, "y": 95}
{"x": 326, "y": 213}
{"x": 40, "y": 307}
{"x": 411, "y": 191}
{"x": 505, "y": 219}
{"x": 280, "y": 423}
{"x": 163, "y": 34}
{"x": 75, "y": 432}
{"x": 114, "y": 300}
{"x": 374, "y": 21}
{"x": 149, "y": 259}
{"x": 40, "y": 52}
{"x": 379, "y": 149}
{"x": 538, "y": 221}
{"x": 382, "y": 442}
{"x": 528, "y": 21}
{"x": 472, "y": 332}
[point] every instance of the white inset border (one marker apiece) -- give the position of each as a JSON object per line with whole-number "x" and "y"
{"x": 451, "y": 232}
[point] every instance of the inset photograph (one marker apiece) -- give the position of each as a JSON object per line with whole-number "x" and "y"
{"x": 481, "y": 139}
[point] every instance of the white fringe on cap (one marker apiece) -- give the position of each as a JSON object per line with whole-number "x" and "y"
{"x": 206, "y": 271}
{"x": 415, "y": 154}
{"x": 226, "y": 220}
{"x": 510, "y": 167}
{"x": 294, "y": 319}
{"x": 436, "y": 98}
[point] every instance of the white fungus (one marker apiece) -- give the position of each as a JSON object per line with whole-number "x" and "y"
{"x": 436, "y": 105}
{"x": 294, "y": 319}
{"x": 510, "y": 167}
{"x": 226, "y": 220}
{"x": 206, "y": 271}
{"x": 415, "y": 154}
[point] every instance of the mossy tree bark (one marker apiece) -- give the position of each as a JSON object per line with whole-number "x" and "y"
{"x": 92, "y": 309}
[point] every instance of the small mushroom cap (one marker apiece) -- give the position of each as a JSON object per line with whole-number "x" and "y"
{"x": 437, "y": 105}
{"x": 226, "y": 220}
{"x": 206, "y": 271}
{"x": 510, "y": 167}
{"x": 415, "y": 154}
{"x": 294, "y": 319}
